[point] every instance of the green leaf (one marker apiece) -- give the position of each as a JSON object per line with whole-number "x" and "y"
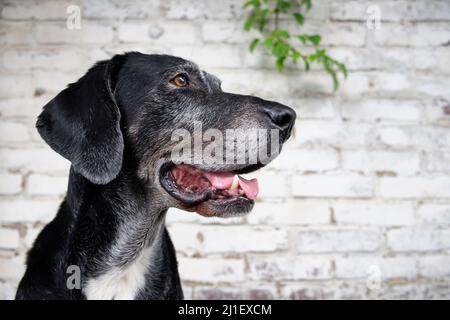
{"x": 295, "y": 55}
{"x": 268, "y": 42}
{"x": 313, "y": 57}
{"x": 314, "y": 39}
{"x": 306, "y": 63}
{"x": 253, "y": 44}
{"x": 281, "y": 49}
{"x": 283, "y": 5}
{"x": 276, "y": 40}
{"x": 307, "y": 3}
{"x": 248, "y": 24}
{"x": 299, "y": 18}
{"x": 302, "y": 38}
{"x": 262, "y": 19}
{"x": 280, "y": 63}
{"x": 252, "y": 3}
{"x": 280, "y": 34}
{"x": 329, "y": 69}
{"x": 342, "y": 68}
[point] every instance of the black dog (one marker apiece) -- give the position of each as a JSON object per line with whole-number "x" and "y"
{"x": 115, "y": 126}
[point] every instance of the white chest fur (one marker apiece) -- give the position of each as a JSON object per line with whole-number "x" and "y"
{"x": 120, "y": 283}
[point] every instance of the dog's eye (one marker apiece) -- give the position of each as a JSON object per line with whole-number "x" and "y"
{"x": 180, "y": 81}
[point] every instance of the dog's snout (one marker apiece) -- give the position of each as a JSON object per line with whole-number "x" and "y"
{"x": 282, "y": 116}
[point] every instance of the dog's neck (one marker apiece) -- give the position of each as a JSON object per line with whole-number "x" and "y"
{"x": 128, "y": 226}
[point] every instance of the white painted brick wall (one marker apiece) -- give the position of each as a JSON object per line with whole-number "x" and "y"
{"x": 365, "y": 180}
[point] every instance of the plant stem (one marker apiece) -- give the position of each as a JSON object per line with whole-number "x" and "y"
{"x": 277, "y": 12}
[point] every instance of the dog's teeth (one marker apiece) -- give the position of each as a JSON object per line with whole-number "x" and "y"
{"x": 235, "y": 183}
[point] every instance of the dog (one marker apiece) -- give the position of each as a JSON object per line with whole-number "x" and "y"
{"x": 114, "y": 125}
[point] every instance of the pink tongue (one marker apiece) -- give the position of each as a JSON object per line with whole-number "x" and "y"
{"x": 223, "y": 180}
{"x": 220, "y": 180}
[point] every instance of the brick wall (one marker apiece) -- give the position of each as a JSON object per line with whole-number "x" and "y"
{"x": 357, "y": 206}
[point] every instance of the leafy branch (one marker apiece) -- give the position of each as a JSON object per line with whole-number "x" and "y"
{"x": 264, "y": 17}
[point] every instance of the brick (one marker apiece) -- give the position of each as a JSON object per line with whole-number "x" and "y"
{"x": 330, "y": 133}
{"x": 35, "y": 160}
{"x": 374, "y": 213}
{"x": 383, "y": 109}
{"x": 392, "y": 10}
{"x": 415, "y": 187}
{"x": 309, "y": 290}
{"x": 416, "y": 35}
{"x": 418, "y": 239}
{"x": 12, "y": 268}
{"x": 9, "y": 238}
{"x": 41, "y": 10}
{"x": 355, "y": 85}
{"x": 31, "y": 235}
{"x": 389, "y": 267}
{"x": 224, "y": 292}
{"x": 185, "y": 9}
{"x": 211, "y": 270}
{"x": 419, "y": 58}
{"x": 271, "y": 185}
{"x": 433, "y": 86}
{"x": 245, "y": 240}
{"x": 438, "y": 110}
{"x": 38, "y": 184}
{"x": 58, "y": 33}
{"x": 430, "y": 290}
{"x": 166, "y": 32}
{"x": 312, "y": 108}
{"x": 13, "y": 132}
{"x": 15, "y": 85}
{"x": 435, "y": 266}
{"x": 53, "y": 81}
{"x": 438, "y": 161}
{"x": 433, "y": 214}
{"x": 16, "y": 33}
{"x": 344, "y": 34}
{"x": 402, "y": 162}
{"x": 414, "y": 136}
{"x": 124, "y": 9}
{"x": 192, "y": 239}
{"x": 7, "y": 290}
{"x": 10, "y": 183}
{"x": 206, "y": 55}
{"x": 338, "y": 240}
{"x": 290, "y": 213}
{"x": 22, "y": 210}
{"x": 392, "y": 83}
{"x": 220, "y": 31}
{"x": 245, "y": 82}
{"x": 22, "y": 107}
{"x": 43, "y": 59}
{"x": 306, "y": 160}
{"x": 332, "y": 186}
{"x": 287, "y": 268}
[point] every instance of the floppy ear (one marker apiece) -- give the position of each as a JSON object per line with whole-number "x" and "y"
{"x": 82, "y": 123}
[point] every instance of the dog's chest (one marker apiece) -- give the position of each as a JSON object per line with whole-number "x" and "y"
{"x": 119, "y": 283}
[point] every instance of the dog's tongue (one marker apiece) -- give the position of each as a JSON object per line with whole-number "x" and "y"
{"x": 224, "y": 180}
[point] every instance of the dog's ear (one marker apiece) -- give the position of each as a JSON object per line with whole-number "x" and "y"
{"x": 82, "y": 123}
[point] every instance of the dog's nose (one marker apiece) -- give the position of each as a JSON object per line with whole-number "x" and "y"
{"x": 282, "y": 116}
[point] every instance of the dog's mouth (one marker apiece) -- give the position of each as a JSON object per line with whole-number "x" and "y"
{"x": 210, "y": 193}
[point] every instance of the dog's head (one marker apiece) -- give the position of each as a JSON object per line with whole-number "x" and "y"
{"x": 169, "y": 124}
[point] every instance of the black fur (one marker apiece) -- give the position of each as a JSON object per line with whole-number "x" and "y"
{"x": 114, "y": 126}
